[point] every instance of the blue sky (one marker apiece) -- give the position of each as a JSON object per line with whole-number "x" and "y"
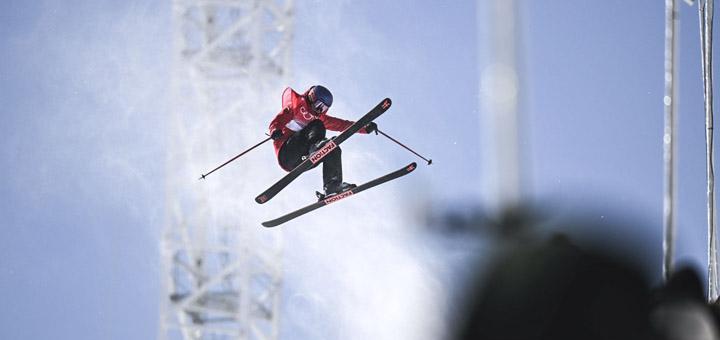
{"x": 83, "y": 136}
{"x": 594, "y": 89}
{"x": 84, "y": 93}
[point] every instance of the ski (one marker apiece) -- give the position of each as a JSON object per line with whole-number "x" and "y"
{"x": 334, "y": 198}
{"x": 318, "y": 155}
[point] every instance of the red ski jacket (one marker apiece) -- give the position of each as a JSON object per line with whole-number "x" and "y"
{"x": 295, "y": 115}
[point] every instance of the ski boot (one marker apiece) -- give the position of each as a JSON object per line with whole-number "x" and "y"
{"x": 334, "y": 189}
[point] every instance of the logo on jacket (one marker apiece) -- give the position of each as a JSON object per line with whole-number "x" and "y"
{"x": 307, "y": 115}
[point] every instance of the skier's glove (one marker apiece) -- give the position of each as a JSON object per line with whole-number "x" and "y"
{"x": 276, "y": 134}
{"x": 371, "y": 127}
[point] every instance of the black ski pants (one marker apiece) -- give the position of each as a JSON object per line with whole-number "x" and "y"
{"x": 303, "y": 143}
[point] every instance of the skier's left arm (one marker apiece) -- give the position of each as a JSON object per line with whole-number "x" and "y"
{"x": 280, "y": 120}
{"x": 337, "y": 124}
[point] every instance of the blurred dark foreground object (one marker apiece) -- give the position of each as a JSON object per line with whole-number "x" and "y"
{"x": 592, "y": 290}
{"x": 680, "y": 311}
{"x": 555, "y": 290}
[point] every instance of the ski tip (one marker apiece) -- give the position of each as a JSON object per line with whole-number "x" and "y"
{"x": 386, "y": 103}
{"x": 272, "y": 223}
{"x": 411, "y": 167}
{"x": 261, "y": 199}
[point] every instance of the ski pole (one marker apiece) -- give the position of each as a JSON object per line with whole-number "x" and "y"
{"x": 236, "y": 157}
{"x": 429, "y": 161}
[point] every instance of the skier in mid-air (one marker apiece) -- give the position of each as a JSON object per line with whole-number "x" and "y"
{"x": 299, "y": 130}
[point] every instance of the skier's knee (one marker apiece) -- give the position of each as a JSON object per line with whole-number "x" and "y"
{"x": 315, "y": 131}
{"x": 315, "y": 146}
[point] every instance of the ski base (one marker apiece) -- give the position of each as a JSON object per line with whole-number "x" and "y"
{"x": 337, "y": 197}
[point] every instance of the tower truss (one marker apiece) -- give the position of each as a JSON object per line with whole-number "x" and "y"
{"x": 221, "y": 271}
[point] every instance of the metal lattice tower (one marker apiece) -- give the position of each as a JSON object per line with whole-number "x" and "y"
{"x": 221, "y": 270}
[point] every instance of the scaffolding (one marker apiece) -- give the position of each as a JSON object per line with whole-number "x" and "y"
{"x": 222, "y": 274}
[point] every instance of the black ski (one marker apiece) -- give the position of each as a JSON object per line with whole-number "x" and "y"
{"x": 325, "y": 150}
{"x": 334, "y": 198}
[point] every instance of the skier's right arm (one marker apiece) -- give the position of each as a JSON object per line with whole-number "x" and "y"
{"x": 281, "y": 119}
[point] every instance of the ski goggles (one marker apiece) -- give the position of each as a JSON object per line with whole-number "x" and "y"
{"x": 320, "y": 107}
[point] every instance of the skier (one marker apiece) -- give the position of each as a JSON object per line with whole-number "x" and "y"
{"x": 299, "y": 130}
